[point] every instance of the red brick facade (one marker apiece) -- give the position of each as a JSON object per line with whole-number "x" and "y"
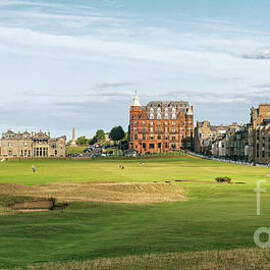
{"x": 161, "y": 126}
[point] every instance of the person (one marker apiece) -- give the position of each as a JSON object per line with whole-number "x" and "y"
{"x": 33, "y": 168}
{"x": 120, "y": 166}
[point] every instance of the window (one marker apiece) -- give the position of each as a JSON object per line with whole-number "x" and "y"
{"x": 10, "y": 152}
{"x": 166, "y": 116}
{"x": 173, "y": 116}
{"x": 151, "y": 123}
{"x": 151, "y": 146}
{"x": 136, "y": 137}
{"x": 9, "y": 144}
{"x": 25, "y": 144}
{"x": 151, "y": 116}
{"x": 173, "y": 123}
{"x": 151, "y": 136}
{"x": 55, "y": 152}
{"x": 151, "y": 129}
{"x": 173, "y": 129}
{"x": 159, "y": 116}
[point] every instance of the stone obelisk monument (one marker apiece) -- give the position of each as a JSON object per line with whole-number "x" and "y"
{"x": 73, "y": 141}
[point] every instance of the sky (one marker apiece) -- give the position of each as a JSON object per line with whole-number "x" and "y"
{"x": 66, "y": 64}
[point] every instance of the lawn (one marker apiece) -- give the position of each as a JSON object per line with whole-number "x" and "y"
{"x": 215, "y": 216}
{"x": 159, "y": 169}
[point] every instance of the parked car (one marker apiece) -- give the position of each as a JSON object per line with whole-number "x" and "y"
{"x": 77, "y": 155}
{"x": 131, "y": 153}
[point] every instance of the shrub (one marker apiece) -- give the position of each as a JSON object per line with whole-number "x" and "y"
{"x": 223, "y": 179}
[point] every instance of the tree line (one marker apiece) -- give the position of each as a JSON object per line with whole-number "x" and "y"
{"x": 117, "y": 135}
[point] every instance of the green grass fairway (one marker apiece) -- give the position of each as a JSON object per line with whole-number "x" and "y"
{"x": 178, "y": 168}
{"x": 215, "y": 217}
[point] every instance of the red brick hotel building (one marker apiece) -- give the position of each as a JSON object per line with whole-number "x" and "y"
{"x": 161, "y": 126}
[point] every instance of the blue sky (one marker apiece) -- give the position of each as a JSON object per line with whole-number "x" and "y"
{"x": 77, "y": 64}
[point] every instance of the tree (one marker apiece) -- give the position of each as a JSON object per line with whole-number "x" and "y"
{"x": 93, "y": 140}
{"x": 81, "y": 141}
{"x": 124, "y": 144}
{"x": 117, "y": 134}
{"x": 100, "y": 135}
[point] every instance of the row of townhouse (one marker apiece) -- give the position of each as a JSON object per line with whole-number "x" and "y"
{"x": 233, "y": 144}
{"x": 248, "y": 142}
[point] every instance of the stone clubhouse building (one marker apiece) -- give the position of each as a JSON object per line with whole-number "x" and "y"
{"x": 32, "y": 145}
{"x": 160, "y": 126}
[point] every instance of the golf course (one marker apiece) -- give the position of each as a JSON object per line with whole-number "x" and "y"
{"x": 163, "y": 213}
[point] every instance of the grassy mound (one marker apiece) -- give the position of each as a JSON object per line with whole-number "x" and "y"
{"x": 248, "y": 259}
{"x": 137, "y": 193}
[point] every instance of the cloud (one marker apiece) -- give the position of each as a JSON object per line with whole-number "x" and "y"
{"x": 115, "y": 85}
{"x": 52, "y": 5}
{"x": 32, "y": 41}
{"x": 262, "y": 55}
